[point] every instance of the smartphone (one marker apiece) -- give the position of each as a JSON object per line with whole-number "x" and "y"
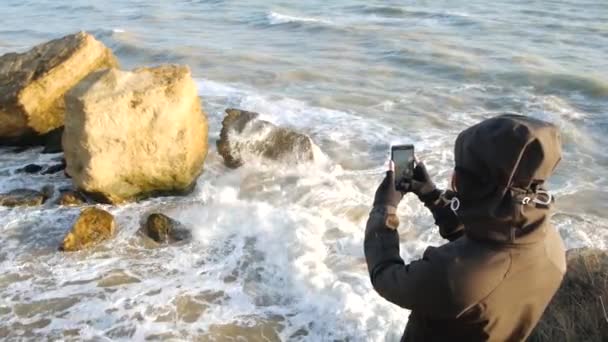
{"x": 404, "y": 160}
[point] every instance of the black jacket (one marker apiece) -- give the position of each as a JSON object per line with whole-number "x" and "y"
{"x": 502, "y": 266}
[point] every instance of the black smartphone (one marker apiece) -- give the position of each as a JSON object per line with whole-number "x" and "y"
{"x": 404, "y": 160}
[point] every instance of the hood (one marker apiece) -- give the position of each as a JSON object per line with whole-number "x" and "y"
{"x": 499, "y": 163}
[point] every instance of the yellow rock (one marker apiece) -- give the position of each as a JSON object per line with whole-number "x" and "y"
{"x": 33, "y": 84}
{"x": 72, "y": 198}
{"x": 133, "y": 134}
{"x": 92, "y": 227}
{"x": 164, "y": 229}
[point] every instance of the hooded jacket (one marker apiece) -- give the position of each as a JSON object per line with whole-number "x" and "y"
{"x": 504, "y": 261}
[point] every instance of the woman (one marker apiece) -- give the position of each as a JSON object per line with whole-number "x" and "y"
{"x": 504, "y": 260}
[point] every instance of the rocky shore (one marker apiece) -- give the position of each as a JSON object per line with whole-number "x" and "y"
{"x": 127, "y": 135}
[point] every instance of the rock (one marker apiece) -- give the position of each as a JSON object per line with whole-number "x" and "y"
{"x": 188, "y": 309}
{"x": 92, "y": 227}
{"x": 131, "y": 135}
{"x": 71, "y": 198}
{"x": 52, "y": 141}
{"x": 578, "y": 310}
{"x": 44, "y": 307}
{"x": 117, "y": 278}
{"x": 19, "y": 149}
{"x": 33, "y": 84}
{"x": 164, "y": 229}
{"x": 256, "y": 328}
{"x": 48, "y": 191}
{"x": 31, "y": 168}
{"x": 54, "y": 169}
{"x": 244, "y": 134}
{"x": 26, "y": 197}
{"x": 35, "y": 168}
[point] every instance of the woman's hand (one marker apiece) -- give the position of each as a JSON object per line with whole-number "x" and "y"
{"x": 387, "y": 194}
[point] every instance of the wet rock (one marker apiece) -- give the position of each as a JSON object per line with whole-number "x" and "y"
{"x": 256, "y": 329}
{"x": 134, "y": 134}
{"x": 33, "y": 84}
{"x": 25, "y": 197}
{"x": 31, "y": 168}
{"x": 19, "y": 149}
{"x": 188, "y": 309}
{"x": 244, "y": 134}
{"x": 92, "y": 227}
{"x": 71, "y": 198}
{"x": 54, "y": 169}
{"x": 117, "y": 278}
{"x": 48, "y": 191}
{"x": 122, "y": 332}
{"x": 164, "y": 229}
{"x": 8, "y": 279}
{"x": 44, "y": 307}
{"x": 578, "y": 310}
{"x": 52, "y": 141}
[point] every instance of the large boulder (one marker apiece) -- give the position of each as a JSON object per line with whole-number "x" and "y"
{"x": 578, "y": 312}
{"x": 33, "y": 84}
{"x": 244, "y": 135}
{"x": 92, "y": 227}
{"x": 133, "y": 134}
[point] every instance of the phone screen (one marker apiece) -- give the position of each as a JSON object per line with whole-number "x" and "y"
{"x": 403, "y": 157}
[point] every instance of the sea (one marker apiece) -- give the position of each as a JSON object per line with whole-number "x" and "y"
{"x": 277, "y": 249}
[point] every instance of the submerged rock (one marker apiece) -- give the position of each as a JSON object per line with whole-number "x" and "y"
{"x": 256, "y": 329}
{"x": 31, "y": 168}
{"x": 35, "y": 168}
{"x": 54, "y": 168}
{"x": 26, "y": 197}
{"x": 44, "y": 307}
{"x": 164, "y": 229}
{"x": 71, "y": 198}
{"x": 578, "y": 310}
{"x": 92, "y": 227}
{"x": 117, "y": 278}
{"x": 130, "y": 135}
{"x": 188, "y": 309}
{"x": 244, "y": 134}
{"x": 33, "y": 84}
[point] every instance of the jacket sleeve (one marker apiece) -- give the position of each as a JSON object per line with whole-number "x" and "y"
{"x": 418, "y": 286}
{"x": 438, "y": 202}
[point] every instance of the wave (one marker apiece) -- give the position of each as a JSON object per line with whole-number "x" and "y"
{"x": 548, "y": 82}
{"x": 384, "y": 11}
{"x": 366, "y": 17}
{"x": 401, "y": 11}
{"x": 275, "y": 18}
